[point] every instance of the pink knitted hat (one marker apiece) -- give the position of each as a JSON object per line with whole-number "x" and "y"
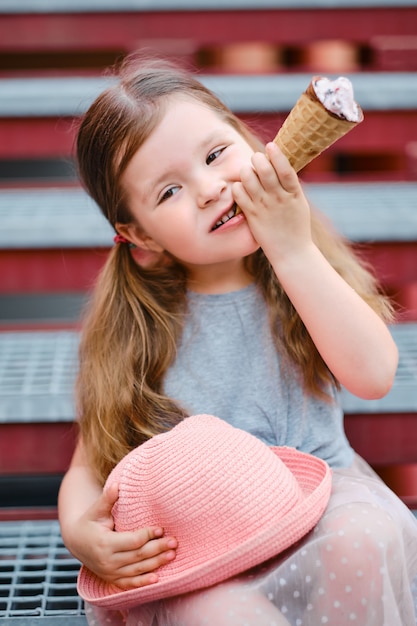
{"x": 231, "y": 501}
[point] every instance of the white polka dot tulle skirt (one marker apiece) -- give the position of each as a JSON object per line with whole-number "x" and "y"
{"x": 358, "y": 567}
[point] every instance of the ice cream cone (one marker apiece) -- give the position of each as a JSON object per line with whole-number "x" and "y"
{"x": 310, "y": 128}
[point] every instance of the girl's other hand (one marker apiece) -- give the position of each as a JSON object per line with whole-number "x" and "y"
{"x": 272, "y": 199}
{"x": 127, "y": 559}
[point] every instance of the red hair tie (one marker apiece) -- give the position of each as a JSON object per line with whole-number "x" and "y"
{"x": 120, "y": 239}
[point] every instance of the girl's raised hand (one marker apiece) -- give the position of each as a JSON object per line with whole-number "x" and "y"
{"x": 271, "y": 197}
{"x": 363, "y": 358}
{"x": 127, "y": 559}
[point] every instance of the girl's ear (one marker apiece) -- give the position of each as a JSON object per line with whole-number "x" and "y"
{"x": 134, "y": 234}
{"x": 147, "y": 253}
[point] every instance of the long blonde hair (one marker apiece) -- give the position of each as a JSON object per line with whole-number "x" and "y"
{"x": 135, "y": 316}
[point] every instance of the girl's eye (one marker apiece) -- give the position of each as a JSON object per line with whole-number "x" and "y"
{"x": 168, "y": 194}
{"x": 214, "y": 155}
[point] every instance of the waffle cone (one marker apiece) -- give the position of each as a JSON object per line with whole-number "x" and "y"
{"x": 309, "y": 129}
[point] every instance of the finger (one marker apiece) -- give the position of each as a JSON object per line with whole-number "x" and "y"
{"x": 111, "y": 493}
{"x": 132, "y": 569}
{"x": 273, "y": 151}
{"x": 265, "y": 172}
{"x": 139, "y": 568}
{"x": 285, "y": 172}
{"x": 240, "y": 196}
{"x": 141, "y": 545}
{"x": 250, "y": 182}
{"x": 164, "y": 549}
{"x": 136, "y": 581}
{"x": 101, "y": 510}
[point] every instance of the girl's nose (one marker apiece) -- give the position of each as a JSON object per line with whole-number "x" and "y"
{"x": 210, "y": 189}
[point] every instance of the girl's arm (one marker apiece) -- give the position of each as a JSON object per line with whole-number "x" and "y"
{"x": 128, "y": 559}
{"x": 351, "y": 338}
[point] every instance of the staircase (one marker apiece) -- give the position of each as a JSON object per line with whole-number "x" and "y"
{"x": 258, "y": 56}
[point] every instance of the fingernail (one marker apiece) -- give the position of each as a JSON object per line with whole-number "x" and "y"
{"x": 172, "y": 543}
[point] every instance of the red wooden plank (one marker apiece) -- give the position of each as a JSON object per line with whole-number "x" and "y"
{"x": 406, "y": 299}
{"x": 402, "y": 479}
{"x": 380, "y": 130}
{"x": 36, "y": 137}
{"x": 387, "y": 441}
{"x": 28, "y": 513}
{"x": 46, "y": 137}
{"x": 394, "y": 53}
{"x": 37, "y": 271}
{"x": 395, "y": 263}
{"x": 36, "y": 448}
{"x": 128, "y": 31}
{"x": 32, "y": 271}
{"x": 384, "y": 439}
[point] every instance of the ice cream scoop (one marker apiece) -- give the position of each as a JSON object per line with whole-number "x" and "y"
{"x": 337, "y": 97}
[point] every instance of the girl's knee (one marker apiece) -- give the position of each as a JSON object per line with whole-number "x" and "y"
{"x": 361, "y": 542}
{"x": 227, "y": 604}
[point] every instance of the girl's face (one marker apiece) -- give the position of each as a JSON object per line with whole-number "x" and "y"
{"x": 179, "y": 190}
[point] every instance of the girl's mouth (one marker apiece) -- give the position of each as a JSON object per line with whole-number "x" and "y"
{"x": 235, "y": 210}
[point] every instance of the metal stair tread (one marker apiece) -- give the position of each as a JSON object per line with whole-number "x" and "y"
{"x": 71, "y": 95}
{"x": 38, "y": 370}
{"x": 67, "y": 217}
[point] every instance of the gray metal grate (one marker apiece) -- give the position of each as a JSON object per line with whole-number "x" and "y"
{"x": 45, "y": 218}
{"x": 37, "y": 574}
{"x": 403, "y": 395}
{"x": 369, "y": 212}
{"x": 37, "y": 374}
{"x": 51, "y": 218}
{"x": 71, "y": 95}
{"x": 37, "y": 371}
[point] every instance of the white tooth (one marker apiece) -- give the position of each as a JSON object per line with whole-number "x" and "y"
{"x": 226, "y": 218}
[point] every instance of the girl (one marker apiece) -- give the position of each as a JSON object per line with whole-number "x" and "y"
{"x": 255, "y": 314}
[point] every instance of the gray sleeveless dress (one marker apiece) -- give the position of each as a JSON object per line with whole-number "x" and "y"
{"x": 359, "y": 565}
